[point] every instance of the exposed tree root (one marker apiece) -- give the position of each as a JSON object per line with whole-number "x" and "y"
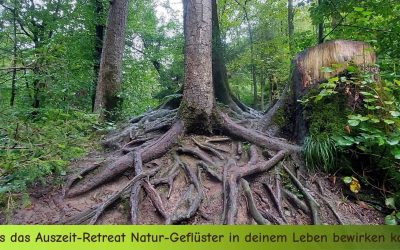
{"x": 197, "y": 153}
{"x": 234, "y": 173}
{"x": 311, "y": 202}
{"x": 94, "y": 214}
{"x": 209, "y": 148}
{"x": 78, "y": 176}
{"x": 294, "y": 200}
{"x": 155, "y": 198}
{"x": 275, "y": 200}
{"x": 172, "y": 174}
{"x": 210, "y": 171}
{"x": 193, "y": 200}
{"x": 255, "y": 137}
{"x": 330, "y": 206}
{"x": 251, "y": 204}
{"x": 135, "y": 190}
{"x": 225, "y": 161}
{"x": 115, "y": 168}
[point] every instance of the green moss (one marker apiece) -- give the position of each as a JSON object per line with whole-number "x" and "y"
{"x": 279, "y": 118}
{"x": 328, "y": 117}
{"x": 325, "y": 119}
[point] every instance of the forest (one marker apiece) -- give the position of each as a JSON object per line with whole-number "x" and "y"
{"x": 200, "y": 112}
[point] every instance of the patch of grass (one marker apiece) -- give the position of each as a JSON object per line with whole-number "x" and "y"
{"x": 320, "y": 153}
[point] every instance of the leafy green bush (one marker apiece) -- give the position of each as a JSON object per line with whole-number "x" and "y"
{"x": 372, "y": 127}
{"x": 34, "y": 148}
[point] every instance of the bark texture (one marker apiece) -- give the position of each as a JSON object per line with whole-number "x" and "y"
{"x": 321, "y": 37}
{"x": 109, "y": 82}
{"x": 220, "y": 79}
{"x": 98, "y": 44}
{"x": 198, "y": 94}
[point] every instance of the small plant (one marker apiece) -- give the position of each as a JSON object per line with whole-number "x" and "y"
{"x": 352, "y": 183}
{"x": 319, "y": 153}
{"x": 394, "y": 217}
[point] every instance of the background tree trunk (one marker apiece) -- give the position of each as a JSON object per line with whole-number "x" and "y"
{"x": 262, "y": 85}
{"x": 14, "y": 57}
{"x": 198, "y": 94}
{"x": 251, "y": 41}
{"x": 220, "y": 79}
{"x": 320, "y": 27}
{"x": 107, "y": 101}
{"x": 98, "y": 44}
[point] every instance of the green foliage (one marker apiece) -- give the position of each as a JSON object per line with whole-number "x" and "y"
{"x": 325, "y": 118}
{"x": 34, "y": 148}
{"x": 394, "y": 217}
{"x": 372, "y": 127}
{"x": 375, "y": 120}
{"x": 372, "y": 21}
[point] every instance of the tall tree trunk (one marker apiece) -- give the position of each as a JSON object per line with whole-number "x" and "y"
{"x": 251, "y": 41}
{"x": 262, "y": 85}
{"x": 14, "y": 59}
{"x": 271, "y": 89}
{"x": 320, "y": 27}
{"x": 198, "y": 95}
{"x": 98, "y": 44}
{"x": 290, "y": 25}
{"x": 253, "y": 67}
{"x": 107, "y": 101}
{"x": 220, "y": 79}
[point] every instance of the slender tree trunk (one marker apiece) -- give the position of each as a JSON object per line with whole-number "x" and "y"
{"x": 37, "y": 78}
{"x": 198, "y": 94}
{"x": 98, "y": 44}
{"x": 290, "y": 25}
{"x": 107, "y": 101}
{"x": 320, "y": 28}
{"x": 251, "y": 41}
{"x": 271, "y": 89}
{"x": 220, "y": 79}
{"x": 14, "y": 59}
{"x": 253, "y": 67}
{"x": 262, "y": 85}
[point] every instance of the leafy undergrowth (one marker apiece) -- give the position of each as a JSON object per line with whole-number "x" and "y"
{"x": 355, "y": 131}
{"x": 38, "y": 149}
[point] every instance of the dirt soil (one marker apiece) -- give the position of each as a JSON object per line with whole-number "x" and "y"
{"x": 47, "y": 205}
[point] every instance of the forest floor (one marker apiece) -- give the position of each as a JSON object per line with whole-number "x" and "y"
{"x": 48, "y": 205}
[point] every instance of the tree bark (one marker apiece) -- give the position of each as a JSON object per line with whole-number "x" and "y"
{"x": 320, "y": 27}
{"x": 198, "y": 93}
{"x": 14, "y": 58}
{"x": 107, "y": 101}
{"x": 262, "y": 85}
{"x": 220, "y": 79}
{"x": 98, "y": 44}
